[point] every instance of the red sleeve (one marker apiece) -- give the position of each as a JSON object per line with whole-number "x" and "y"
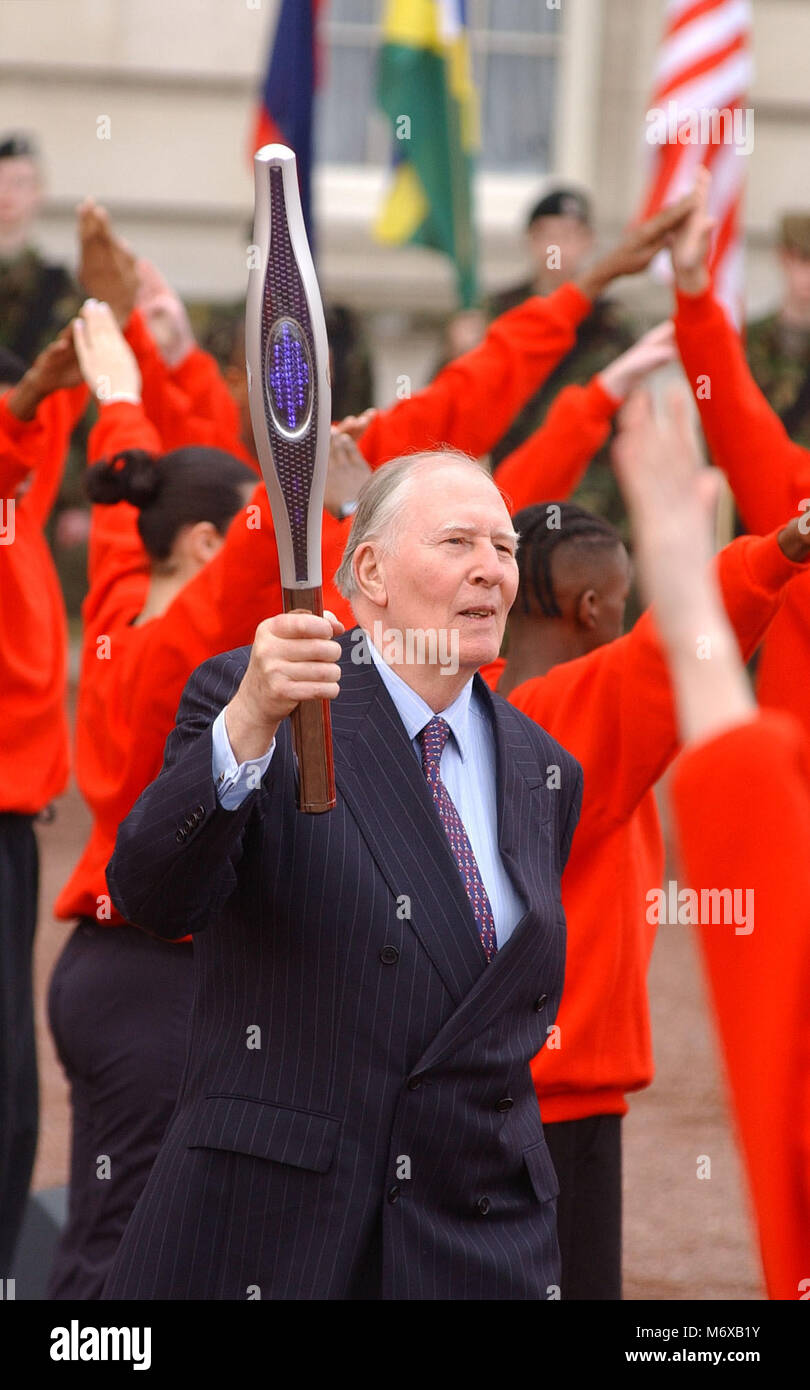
{"x": 475, "y": 398}
{"x": 553, "y": 459}
{"x": 166, "y": 405}
{"x": 614, "y": 708}
{"x": 768, "y": 474}
{"x": 40, "y": 445}
{"x": 189, "y": 404}
{"x": 742, "y": 811}
{"x": 211, "y": 404}
{"x": 22, "y": 446}
{"x": 117, "y": 562}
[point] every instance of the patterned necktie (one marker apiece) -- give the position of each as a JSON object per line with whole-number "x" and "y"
{"x": 433, "y": 738}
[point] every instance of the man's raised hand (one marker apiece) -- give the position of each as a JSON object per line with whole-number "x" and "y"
{"x": 655, "y": 349}
{"x": 294, "y": 658}
{"x": 165, "y": 315}
{"x": 107, "y": 269}
{"x": 691, "y": 240}
{"x": 346, "y": 473}
{"x": 55, "y": 369}
{"x": 639, "y": 244}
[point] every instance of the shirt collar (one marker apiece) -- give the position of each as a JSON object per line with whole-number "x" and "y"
{"x": 415, "y": 712}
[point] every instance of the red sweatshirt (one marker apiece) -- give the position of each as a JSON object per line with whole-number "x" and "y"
{"x": 132, "y": 677}
{"x": 548, "y": 466}
{"x": 187, "y": 404}
{"x": 614, "y": 710}
{"x": 760, "y": 980}
{"x": 34, "y": 744}
{"x": 475, "y": 397}
{"x": 768, "y": 473}
{"x": 468, "y": 406}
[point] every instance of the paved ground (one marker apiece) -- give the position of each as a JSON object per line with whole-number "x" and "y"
{"x": 685, "y": 1237}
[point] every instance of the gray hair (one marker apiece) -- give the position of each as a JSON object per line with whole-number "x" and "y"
{"x": 382, "y": 502}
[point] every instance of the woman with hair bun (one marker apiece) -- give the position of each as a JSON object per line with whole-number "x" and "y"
{"x": 182, "y": 565}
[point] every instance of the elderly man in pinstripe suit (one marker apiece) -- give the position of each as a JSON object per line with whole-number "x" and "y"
{"x": 357, "y": 1117}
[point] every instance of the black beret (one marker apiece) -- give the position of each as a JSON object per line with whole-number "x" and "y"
{"x": 18, "y": 147}
{"x": 563, "y": 202}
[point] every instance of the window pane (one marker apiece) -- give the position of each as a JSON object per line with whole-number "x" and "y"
{"x": 529, "y": 16}
{"x": 518, "y": 106}
{"x": 354, "y": 11}
{"x": 345, "y": 105}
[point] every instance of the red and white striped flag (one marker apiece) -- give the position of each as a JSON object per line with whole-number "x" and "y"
{"x": 698, "y": 115}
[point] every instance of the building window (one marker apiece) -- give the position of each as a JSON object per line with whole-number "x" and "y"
{"x": 515, "y": 47}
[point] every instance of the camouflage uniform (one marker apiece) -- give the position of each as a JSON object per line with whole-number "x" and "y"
{"x": 779, "y": 358}
{"x": 601, "y": 337}
{"x": 36, "y": 301}
{"x": 779, "y": 353}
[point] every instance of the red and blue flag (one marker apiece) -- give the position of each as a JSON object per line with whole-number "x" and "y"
{"x": 286, "y": 98}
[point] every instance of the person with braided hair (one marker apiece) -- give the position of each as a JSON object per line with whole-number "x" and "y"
{"x": 608, "y": 700}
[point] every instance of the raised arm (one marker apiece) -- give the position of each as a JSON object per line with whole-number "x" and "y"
{"x": 768, "y": 474}
{"x": 212, "y": 416}
{"x": 475, "y": 398}
{"x": 742, "y": 816}
{"x": 117, "y": 559}
{"x": 37, "y": 417}
{"x": 742, "y": 810}
{"x": 619, "y": 699}
{"x": 552, "y": 461}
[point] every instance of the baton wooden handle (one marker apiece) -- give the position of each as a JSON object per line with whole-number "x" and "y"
{"x": 312, "y": 727}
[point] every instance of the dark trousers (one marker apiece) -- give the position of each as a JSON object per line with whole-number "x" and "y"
{"x": 587, "y": 1156}
{"x": 119, "y": 1007}
{"x": 19, "y": 1096}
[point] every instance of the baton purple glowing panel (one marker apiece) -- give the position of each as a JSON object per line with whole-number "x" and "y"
{"x": 290, "y": 410}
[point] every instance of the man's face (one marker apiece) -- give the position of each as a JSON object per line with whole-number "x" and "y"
{"x": 573, "y": 239}
{"x": 20, "y": 192}
{"x": 453, "y": 566}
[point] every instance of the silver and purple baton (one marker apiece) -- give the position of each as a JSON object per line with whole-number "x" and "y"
{"x": 290, "y": 409}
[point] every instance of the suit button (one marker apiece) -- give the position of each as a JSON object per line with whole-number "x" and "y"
{"x": 188, "y": 824}
{"x": 414, "y": 1082}
{"x": 540, "y": 1004}
{"x": 483, "y": 1204}
{"x": 389, "y": 955}
{"x": 180, "y": 836}
{"x": 200, "y": 812}
{"x": 393, "y": 1193}
{"x": 505, "y": 1103}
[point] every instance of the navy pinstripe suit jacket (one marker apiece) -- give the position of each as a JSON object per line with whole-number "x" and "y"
{"x": 357, "y": 1073}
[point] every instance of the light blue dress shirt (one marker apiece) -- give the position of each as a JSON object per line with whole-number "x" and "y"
{"x": 467, "y": 768}
{"x": 233, "y": 781}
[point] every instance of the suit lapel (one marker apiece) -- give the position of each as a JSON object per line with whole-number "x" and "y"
{"x": 383, "y": 785}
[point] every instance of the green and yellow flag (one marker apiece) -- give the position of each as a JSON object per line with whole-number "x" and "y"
{"x": 425, "y": 88}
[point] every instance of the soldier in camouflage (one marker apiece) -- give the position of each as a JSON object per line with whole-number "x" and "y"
{"x": 778, "y": 346}
{"x": 560, "y": 237}
{"x": 37, "y": 298}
